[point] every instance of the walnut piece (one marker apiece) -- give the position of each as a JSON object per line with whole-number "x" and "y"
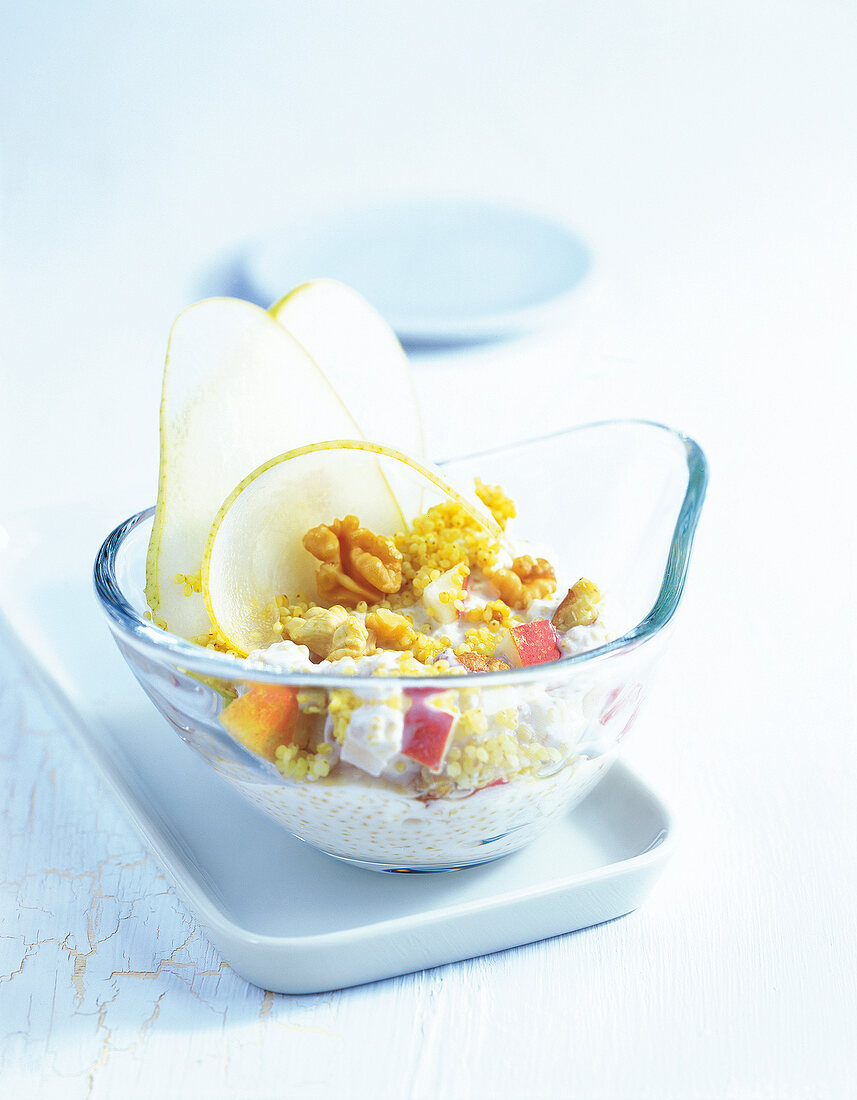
{"x": 355, "y": 565}
{"x": 474, "y": 662}
{"x": 578, "y": 606}
{"x": 527, "y": 580}
{"x": 349, "y": 639}
{"x": 392, "y": 631}
{"x": 329, "y": 632}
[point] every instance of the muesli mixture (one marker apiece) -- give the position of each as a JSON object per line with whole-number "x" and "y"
{"x": 442, "y": 597}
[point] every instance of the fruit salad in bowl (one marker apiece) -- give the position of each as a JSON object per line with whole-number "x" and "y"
{"x": 410, "y": 667}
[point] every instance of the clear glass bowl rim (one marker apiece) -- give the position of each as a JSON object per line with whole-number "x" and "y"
{"x": 185, "y": 655}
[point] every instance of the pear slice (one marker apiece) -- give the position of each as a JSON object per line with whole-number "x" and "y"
{"x": 255, "y": 550}
{"x": 360, "y": 355}
{"x": 237, "y": 389}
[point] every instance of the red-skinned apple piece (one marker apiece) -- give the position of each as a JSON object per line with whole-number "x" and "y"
{"x": 427, "y": 731}
{"x": 622, "y": 703}
{"x": 465, "y": 585}
{"x": 266, "y": 717}
{"x": 532, "y": 643}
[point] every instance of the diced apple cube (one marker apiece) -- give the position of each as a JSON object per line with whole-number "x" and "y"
{"x": 442, "y": 597}
{"x": 532, "y": 643}
{"x": 373, "y": 738}
{"x": 264, "y": 718}
{"x": 428, "y": 730}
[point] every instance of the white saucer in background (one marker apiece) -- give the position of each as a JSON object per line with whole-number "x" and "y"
{"x": 438, "y": 271}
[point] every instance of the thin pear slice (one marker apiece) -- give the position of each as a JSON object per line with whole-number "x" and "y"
{"x": 255, "y": 550}
{"x": 237, "y": 389}
{"x": 361, "y": 357}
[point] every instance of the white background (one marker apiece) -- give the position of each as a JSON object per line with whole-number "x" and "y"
{"x": 706, "y": 152}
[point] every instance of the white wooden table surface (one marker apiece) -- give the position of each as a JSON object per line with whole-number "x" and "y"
{"x": 707, "y": 154}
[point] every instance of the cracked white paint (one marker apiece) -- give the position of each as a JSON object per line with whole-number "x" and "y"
{"x": 100, "y": 963}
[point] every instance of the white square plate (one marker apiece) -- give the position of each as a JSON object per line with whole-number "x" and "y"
{"x": 284, "y": 916}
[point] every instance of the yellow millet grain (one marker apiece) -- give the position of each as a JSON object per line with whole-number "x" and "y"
{"x": 481, "y": 640}
{"x": 295, "y": 763}
{"x": 496, "y": 501}
{"x": 312, "y": 701}
{"x": 446, "y": 535}
{"x": 507, "y": 717}
{"x": 215, "y": 642}
{"x": 480, "y": 760}
{"x": 191, "y": 582}
{"x": 495, "y": 614}
{"x": 289, "y": 610}
{"x": 340, "y": 707}
{"x": 472, "y": 722}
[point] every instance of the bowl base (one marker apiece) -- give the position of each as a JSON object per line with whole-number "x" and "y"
{"x": 399, "y": 869}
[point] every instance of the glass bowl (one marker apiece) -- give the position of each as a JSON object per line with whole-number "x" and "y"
{"x": 618, "y": 501}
